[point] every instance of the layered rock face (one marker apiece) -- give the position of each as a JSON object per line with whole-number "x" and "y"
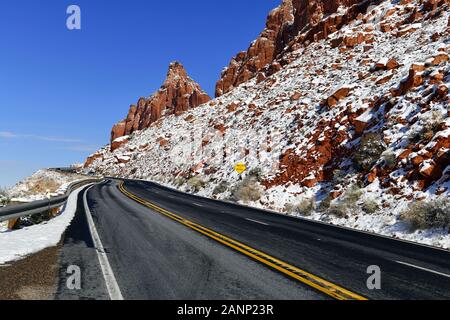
{"x": 294, "y": 22}
{"x": 178, "y": 94}
{"x": 353, "y": 106}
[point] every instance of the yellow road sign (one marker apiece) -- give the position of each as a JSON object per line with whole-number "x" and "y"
{"x": 240, "y": 168}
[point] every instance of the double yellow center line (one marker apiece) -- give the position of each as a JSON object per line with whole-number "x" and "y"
{"x": 307, "y": 278}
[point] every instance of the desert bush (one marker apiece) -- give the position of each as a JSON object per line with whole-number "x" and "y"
{"x": 347, "y": 201}
{"x": 431, "y": 123}
{"x": 288, "y": 208}
{"x": 4, "y": 196}
{"x": 247, "y": 190}
{"x": 370, "y": 206}
{"x": 178, "y": 182}
{"x": 390, "y": 159}
{"x": 339, "y": 210}
{"x": 370, "y": 150}
{"x": 338, "y": 176}
{"x": 352, "y": 195}
{"x": 221, "y": 188}
{"x": 428, "y": 214}
{"x": 43, "y": 185}
{"x": 255, "y": 173}
{"x": 196, "y": 183}
{"x": 305, "y": 207}
{"x": 325, "y": 203}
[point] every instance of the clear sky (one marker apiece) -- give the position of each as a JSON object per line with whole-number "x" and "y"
{"x": 61, "y": 91}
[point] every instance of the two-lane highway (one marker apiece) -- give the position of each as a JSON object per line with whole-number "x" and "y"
{"x": 155, "y": 258}
{"x": 163, "y": 244}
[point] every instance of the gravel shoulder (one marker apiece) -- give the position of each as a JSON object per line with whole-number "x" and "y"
{"x": 32, "y": 278}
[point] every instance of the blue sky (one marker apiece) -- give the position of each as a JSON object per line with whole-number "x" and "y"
{"x": 61, "y": 91}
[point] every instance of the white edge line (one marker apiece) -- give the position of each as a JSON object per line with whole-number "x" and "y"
{"x": 424, "y": 269}
{"x": 257, "y": 221}
{"x": 108, "y": 274}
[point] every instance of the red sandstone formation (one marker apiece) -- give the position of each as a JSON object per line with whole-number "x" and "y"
{"x": 294, "y": 21}
{"x": 178, "y": 94}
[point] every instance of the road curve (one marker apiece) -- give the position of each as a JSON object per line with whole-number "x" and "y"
{"x": 160, "y": 250}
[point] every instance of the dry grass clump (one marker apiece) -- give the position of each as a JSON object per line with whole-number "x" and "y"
{"x": 222, "y": 187}
{"x": 431, "y": 124}
{"x": 43, "y": 185}
{"x": 179, "y": 181}
{"x": 428, "y": 214}
{"x": 370, "y": 150}
{"x": 4, "y": 196}
{"x": 347, "y": 202}
{"x": 196, "y": 183}
{"x": 303, "y": 208}
{"x": 370, "y": 206}
{"x": 247, "y": 190}
{"x": 390, "y": 159}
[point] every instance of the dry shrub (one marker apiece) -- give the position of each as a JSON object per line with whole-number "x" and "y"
{"x": 370, "y": 206}
{"x": 4, "y": 196}
{"x": 178, "y": 182}
{"x": 303, "y": 208}
{"x": 43, "y": 185}
{"x": 431, "y": 124}
{"x": 325, "y": 203}
{"x": 390, "y": 159}
{"x": 370, "y": 150}
{"x": 196, "y": 183}
{"x": 222, "y": 187}
{"x": 347, "y": 201}
{"x": 339, "y": 210}
{"x": 288, "y": 208}
{"x": 428, "y": 214}
{"x": 247, "y": 190}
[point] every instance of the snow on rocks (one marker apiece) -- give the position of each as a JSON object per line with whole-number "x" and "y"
{"x": 302, "y": 126}
{"x": 117, "y": 143}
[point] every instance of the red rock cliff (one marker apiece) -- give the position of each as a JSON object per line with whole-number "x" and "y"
{"x": 179, "y": 93}
{"x": 284, "y": 24}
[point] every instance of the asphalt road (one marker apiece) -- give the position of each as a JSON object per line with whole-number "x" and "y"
{"x": 154, "y": 256}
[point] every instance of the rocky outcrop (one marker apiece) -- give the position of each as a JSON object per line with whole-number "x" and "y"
{"x": 178, "y": 94}
{"x": 294, "y": 21}
{"x": 90, "y": 160}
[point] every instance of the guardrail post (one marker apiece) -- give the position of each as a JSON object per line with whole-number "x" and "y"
{"x": 12, "y": 223}
{"x": 54, "y": 212}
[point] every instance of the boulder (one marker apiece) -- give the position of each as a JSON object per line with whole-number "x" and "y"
{"x": 339, "y": 95}
{"x": 90, "y": 160}
{"x": 413, "y": 80}
{"x": 439, "y": 58}
{"x": 119, "y": 142}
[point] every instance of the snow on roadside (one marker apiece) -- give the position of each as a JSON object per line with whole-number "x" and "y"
{"x": 18, "y": 244}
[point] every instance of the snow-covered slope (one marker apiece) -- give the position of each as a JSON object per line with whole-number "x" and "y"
{"x": 42, "y": 184}
{"x": 352, "y": 131}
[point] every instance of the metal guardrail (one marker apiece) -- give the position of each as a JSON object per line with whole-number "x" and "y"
{"x": 35, "y": 207}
